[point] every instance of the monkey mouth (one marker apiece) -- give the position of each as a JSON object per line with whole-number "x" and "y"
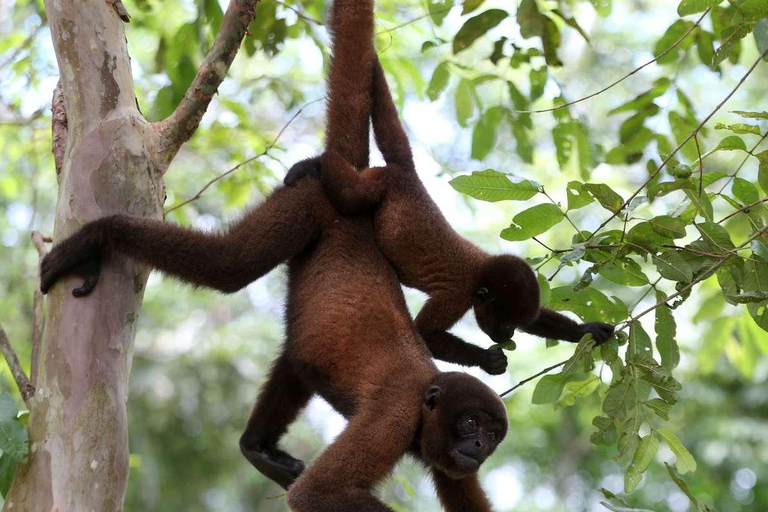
{"x": 465, "y": 463}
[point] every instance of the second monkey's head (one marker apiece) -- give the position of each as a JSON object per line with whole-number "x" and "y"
{"x": 462, "y": 423}
{"x": 506, "y": 297}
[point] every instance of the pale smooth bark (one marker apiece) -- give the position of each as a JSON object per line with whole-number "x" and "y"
{"x": 109, "y": 160}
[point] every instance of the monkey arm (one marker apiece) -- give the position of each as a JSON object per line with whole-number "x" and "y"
{"x": 460, "y": 495}
{"x": 351, "y": 191}
{"x": 551, "y": 324}
{"x": 276, "y": 230}
{"x": 390, "y": 136}
{"x": 433, "y": 321}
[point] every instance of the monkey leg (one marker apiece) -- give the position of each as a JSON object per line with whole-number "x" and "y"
{"x": 281, "y": 399}
{"x": 342, "y": 478}
{"x": 460, "y": 495}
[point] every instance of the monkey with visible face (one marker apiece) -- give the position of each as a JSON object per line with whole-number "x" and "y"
{"x": 429, "y": 255}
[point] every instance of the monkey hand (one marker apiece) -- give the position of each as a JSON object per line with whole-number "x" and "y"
{"x": 309, "y": 168}
{"x": 600, "y": 332}
{"x": 275, "y": 464}
{"x": 72, "y": 257}
{"x": 494, "y": 361}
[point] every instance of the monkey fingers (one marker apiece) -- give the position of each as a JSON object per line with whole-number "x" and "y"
{"x": 496, "y": 361}
{"x": 599, "y": 331}
{"x": 275, "y": 464}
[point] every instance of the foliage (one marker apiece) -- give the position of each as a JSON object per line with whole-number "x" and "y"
{"x": 645, "y": 211}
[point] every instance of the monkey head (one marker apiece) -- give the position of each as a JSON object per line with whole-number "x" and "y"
{"x": 506, "y": 297}
{"x": 462, "y": 423}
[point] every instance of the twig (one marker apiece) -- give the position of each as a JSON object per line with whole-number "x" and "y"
{"x": 244, "y": 162}
{"x": 701, "y": 278}
{"x": 617, "y": 82}
{"x": 543, "y": 244}
{"x": 411, "y": 21}
{"x": 677, "y": 149}
{"x": 542, "y": 372}
{"x": 182, "y": 123}
{"x": 59, "y": 127}
{"x": 38, "y": 320}
{"x": 300, "y": 13}
{"x": 750, "y": 153}
{"x": 743, "y": 209}
{"x": 701, "y": 164}
{"x": 26, "y": 389}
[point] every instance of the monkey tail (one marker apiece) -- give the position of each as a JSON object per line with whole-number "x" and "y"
{"x": 391, "y": 138}
{"x": 350, "y": 77}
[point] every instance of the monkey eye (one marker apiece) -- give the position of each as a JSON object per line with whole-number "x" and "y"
{"x": 482, "y": 294}
{"x": 472, "y": 422}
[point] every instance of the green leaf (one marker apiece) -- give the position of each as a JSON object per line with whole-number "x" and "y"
{"x": 476, "y": 27}
{"x": 465, "y": 105}
{"x": 644, "y": 454}
{"x": 439, "y": 81}
{"x": 578, "y": 195}
{"x": 716, "y": 236}
{"x": 659, "y": 407}
{"x": 683, "y": 487}
{"x": 731, "y": 143}
{"x": 685, "y": 462}
{"x": 670, "y": 37}
{"x": 682, "y": 127}
{"x": 533, "y": 221}
{"x": 576, "y": 390}
{"x": 606, "y": 431}
{"x": 619, "y": 398}
{"x": 589, "y": 304}
{"x": 761, "y": 36}
{"x": 671, "y": 265}
{"x": 538, "y": 80}
{"x": 530, "y": 19}
{"x": 484, "y": 134}
{"x": 7, "y": 470}
{"x": 624, "y": 271}
{"x": 582, "y": 354}
{"x": 549, "y": 388}
{"x": 438, "y": 10}
{"x": 730, "y": 38}
{"x": 745, "y": 191}
{"x": 762, "y": 170}
{"x": 471, "y": 5}
{"x": 687, "y": 7}
{"x": 639, "y": 343}
{"x": 616, "y": 504}
{"x": 668, "y": 227}
{"x": 610, "y": 200}
{"x": 702, "y": 204}
{"x": 755, "y": 279}
{"x": 751, "y": 115}
{"x": 642, "y": 101}
{"x": 753, "y": 10}
{"x": 493, "y": 186}
{"x": 666, "y": 329}
{"x": 739, "y": 128}
{"x": 13, "y": 435}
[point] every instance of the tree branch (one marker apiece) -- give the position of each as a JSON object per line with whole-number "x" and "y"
{"x": 182, "y": 123}
{"x": 246, "y": 161}
{"x": 26, "y": 389}
{"x": 617, "y": 82}
{"x": 677, "y": 149}
{"x": 542, "y": 372}
{"x": 59, "y": 127}
{"x": 38, "y": 320}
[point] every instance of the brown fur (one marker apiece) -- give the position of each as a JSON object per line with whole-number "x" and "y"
{"x": 349, "y": 339}
{"x": 430, "y": 256}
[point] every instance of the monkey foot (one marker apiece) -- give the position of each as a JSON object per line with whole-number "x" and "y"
{"x": 275, "y": 464}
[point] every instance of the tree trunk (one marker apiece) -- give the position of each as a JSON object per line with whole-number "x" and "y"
{"x": 112, "y": 162}
{"x": 78, "y": 427}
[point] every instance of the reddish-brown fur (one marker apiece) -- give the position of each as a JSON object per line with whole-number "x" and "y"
{"x": 349, "y": 339}
{"x": 430, "y": 256}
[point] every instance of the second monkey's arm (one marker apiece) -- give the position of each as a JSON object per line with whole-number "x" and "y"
{"x": 551, "y": 324}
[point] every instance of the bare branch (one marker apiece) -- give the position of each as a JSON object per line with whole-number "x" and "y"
{"x": 693, "y": 134}
{"x": 542, "y": 372}
{"x": 244, "y": 162}
{"x": 26, "y": 389}
{"x": 59, "y": 127}
{"x": 617, "y": 82}
{"x": 179, "y": 126}
{"x": 38, "y": 320}
{"x": 743, "y": 209}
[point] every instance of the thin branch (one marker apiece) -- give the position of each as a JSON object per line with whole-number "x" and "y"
{"x": 244, "y": 162}
{"x": 743, "y": 209}
{"x": 302, "y": 15}
{"x": 59, "y": 127}
{"x": 751, "y": 152}
{"x": 617, "y": 82}
{"x": 38, "y": 320}
{"x": 543, "y": 244}
{"x": 182, "y": 123}
{"x": 701, "y": 164}
{"x": 542, "y": 372}
{"x": 26, "y": 389}
{"x": 677, "y": 149}
{"x": 701, "y": 278}
{"x": 412, "y": 21}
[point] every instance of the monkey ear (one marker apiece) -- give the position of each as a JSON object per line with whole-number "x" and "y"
{"x": 430, "y": 399}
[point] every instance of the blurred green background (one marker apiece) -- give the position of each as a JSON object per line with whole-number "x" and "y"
{"x": 200, "y": 357}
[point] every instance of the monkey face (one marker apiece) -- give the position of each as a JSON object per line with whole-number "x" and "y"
{"x": 507, "y": 297}
{"x": 463, "y": 421}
